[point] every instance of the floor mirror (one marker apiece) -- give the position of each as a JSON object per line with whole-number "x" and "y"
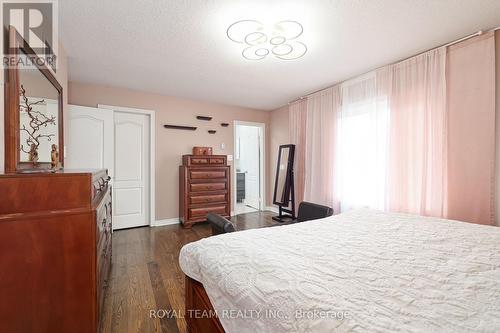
{"x": 284, "y": 188}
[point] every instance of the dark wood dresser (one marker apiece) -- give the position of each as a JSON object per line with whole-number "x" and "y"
{"x": 205, "y": 187}
{"x": 55, "y": 250}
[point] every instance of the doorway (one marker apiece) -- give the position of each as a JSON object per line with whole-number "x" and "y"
{"x": 249, "y": 166}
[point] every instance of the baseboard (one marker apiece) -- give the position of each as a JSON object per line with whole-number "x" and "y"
{"x": 272, "y": 209}
{"x": 160, "y": 223}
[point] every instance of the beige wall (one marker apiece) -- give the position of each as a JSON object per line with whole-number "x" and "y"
{"x": 172, "y": 144}
{"x": 279, "y": 135}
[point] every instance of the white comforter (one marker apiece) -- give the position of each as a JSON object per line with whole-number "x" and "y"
{"x": 362, "y": 271}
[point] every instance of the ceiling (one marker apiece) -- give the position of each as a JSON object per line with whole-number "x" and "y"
{"x": 180, "y": 48}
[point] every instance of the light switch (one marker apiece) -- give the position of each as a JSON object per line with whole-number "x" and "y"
{"x": 222, "y": 146}
{"x": 229, "y": 157}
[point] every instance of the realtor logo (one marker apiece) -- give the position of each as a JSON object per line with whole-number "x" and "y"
{"x": 36, "y": 22}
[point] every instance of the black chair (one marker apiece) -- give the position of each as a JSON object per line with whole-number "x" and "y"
{"x": 310, "y": 211}
{"x": 219, "y": 224}
{"x": 307, "y": 211}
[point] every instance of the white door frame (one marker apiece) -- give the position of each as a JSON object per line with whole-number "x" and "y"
{"x": 262, "y": 149}
{"x": 152, "y": 142}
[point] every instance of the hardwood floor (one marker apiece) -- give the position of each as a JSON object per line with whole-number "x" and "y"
{"x": 145, "y": 275}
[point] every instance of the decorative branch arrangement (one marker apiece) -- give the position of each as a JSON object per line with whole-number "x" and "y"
{"x": 37, "y": 120}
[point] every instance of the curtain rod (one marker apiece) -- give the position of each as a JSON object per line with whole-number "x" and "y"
{"x": 479, "y": 33}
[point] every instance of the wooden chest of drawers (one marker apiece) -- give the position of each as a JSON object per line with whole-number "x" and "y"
{"x": 55, "y": 250}
{"x": 204, "y": 187}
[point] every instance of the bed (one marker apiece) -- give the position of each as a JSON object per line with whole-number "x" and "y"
{"x": 360, "y": 271}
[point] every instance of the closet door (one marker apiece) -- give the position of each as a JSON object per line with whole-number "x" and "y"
{"x": 131, "y": 179}
{"x": 90, "y": 138}
{"x": 104, "y": 138}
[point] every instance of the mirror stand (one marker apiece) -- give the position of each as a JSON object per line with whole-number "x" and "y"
{"x": 284, "y": 186}
{"x": 283, "y": 208}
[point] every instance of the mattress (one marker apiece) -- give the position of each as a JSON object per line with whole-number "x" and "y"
{"x": 360, "y": 271}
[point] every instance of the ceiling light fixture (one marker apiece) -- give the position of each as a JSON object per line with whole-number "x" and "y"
{"x": 258, "y": 41}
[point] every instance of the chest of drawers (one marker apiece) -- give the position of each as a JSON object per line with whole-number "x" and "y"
{"x": 55, "y": 250}
{"x": 204, "y": 187}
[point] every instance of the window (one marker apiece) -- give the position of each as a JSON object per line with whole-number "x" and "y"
{"x": 363, "y": 125}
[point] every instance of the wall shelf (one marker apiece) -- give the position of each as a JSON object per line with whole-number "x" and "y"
{"x": 187, "y": 128}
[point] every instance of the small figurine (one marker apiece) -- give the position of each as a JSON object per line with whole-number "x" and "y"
{"x": 33, "y": 154}
{"x": 54, "y": 155}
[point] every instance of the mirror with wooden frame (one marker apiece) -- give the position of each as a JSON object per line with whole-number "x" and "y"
{"x": 33, "y": 111}
{"x": 284, "y": 189}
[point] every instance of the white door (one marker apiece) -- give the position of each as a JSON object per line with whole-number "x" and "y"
{"x": 102, "y": 138}
{"x": 89, "y": 142}
{"x": 249, "y": 163}
{"x": 131, "y": 176}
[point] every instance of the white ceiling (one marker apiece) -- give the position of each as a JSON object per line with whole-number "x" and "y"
{"x": 180, "y": 48}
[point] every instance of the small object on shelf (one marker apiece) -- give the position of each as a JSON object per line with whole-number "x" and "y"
{"x": 204, "y": 118}
{"x": 54, "y": 156}
{"x": 33, "y": 154}
{"x": 224, "y": 124}
{"x": 202, "y": 151}
{"x": 188, "y": 128}
{"x": 212, "y": 131}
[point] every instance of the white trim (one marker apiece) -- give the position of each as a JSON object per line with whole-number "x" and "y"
{"x": 263, "y": 173}
{"x": 164, "y": 222}
{"x": 272, "y": 209}
{"x": 152, "y": 157}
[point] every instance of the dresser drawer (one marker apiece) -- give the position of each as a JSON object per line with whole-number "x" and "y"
{"x": 213, "y": 198}
{"x": 201, "y": 187}
{"x": 205, "y": 160}
{"x": 203, "y": 211}
{"x": 208, "y": 174}
{"x": 217, "y": 160}
{"x": 199, "y": 160}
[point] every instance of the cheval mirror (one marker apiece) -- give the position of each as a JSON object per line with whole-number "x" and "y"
{"x": 284, "y": 188}
{"x": 34, "y": 138}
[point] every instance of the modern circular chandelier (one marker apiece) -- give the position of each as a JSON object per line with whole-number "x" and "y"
{"x": 279, "y": 40}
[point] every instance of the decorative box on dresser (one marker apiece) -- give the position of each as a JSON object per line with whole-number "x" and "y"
{"x": 55, "y": 250}
{"x": 205, "y": 187}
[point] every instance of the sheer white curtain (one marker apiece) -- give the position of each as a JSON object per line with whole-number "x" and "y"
{"x": 320, "y": 135}
{"x": 418, "y": 136}
{"x": 362, "y": 145}
{"x": 297, "y": 132}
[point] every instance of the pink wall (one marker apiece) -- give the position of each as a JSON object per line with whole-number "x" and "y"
{"x": 279, "y": 135}
{"x": 172, "y": 144}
